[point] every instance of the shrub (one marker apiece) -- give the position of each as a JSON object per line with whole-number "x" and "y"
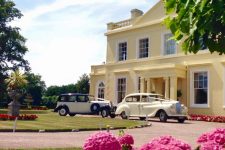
{"x": 102, "y": 141}
{"x": 125, "y": 140}
{"x": 21, "y": 117}
{"x": 214, "y": 140}
{"x": 207, "y": 118}
{"x": 166, "y": 143}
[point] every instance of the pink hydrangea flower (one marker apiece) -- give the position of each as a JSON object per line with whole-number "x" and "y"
{"x": 102, "y": 141}
{"x": 126, "y": 139}
{"x": 213, "y": 140}
{"x": 166, "y": 143}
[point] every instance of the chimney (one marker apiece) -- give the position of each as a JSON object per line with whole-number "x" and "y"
{"x": 136, "y": 13}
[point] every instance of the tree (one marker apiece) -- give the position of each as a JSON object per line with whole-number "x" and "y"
{"x": 198, "y": 23}
{"x": 83, "y": 84}
{"x": 12, "y": 44}
{"x": 35, "y": 87}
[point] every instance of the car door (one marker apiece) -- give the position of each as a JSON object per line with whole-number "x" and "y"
{"x": 133, "y": 103}
{"x": 83, "y": 104}
{"x": 147, "y": 105}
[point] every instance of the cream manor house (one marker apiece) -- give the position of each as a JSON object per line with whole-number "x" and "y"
{"x": 142, "y": 58}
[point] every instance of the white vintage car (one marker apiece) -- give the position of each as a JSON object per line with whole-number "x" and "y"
{"x": 76, "y": 103}
{"x": 144, "y": 105}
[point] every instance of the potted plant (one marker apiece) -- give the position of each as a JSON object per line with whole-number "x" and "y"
{"x": 16, "y": 84}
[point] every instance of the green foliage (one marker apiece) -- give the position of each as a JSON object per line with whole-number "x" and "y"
{"x": 49, "y": 101}
{"x": 83, "y": 84}
{"x": 35, "y": 87}
{"x": 16, "y": 81}
{"x": 12, "y": 47}
{"x": 198, "y": 24}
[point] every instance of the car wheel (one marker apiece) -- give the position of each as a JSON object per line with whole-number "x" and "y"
{"x": 104, "y": 112}
{"x": 112, "y": 115}
{"x": 163, "y": 116}
{"x": 63, "y": 111}
{"x": 95, "y": 108}
{"x": 142, "y": 118}
{"x": 181, "y": 120}
{"x": 123, "y": 115}
{"x": 72, "y": 114}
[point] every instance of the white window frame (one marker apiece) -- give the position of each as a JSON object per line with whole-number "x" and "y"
{"x": 116, "y": 88}
{"x": 117, "y": 50}
{"x": 163, "y": 45}
{"x": 96, "y": 87}
{"x": 138, "y": 45}
{"x": 192, "y": 101}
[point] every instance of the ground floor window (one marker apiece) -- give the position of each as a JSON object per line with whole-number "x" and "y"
{"x": 121, "y": 89}
{"x": 200, "y": 88}
{"x": 101, "y": 90}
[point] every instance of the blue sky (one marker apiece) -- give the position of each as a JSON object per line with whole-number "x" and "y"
{"x": 66, "y": 37}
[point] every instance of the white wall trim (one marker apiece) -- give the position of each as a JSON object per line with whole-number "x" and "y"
{"x": 117, "y": 48}
{"x": 137, "y": 46}
{"x": 192, "y": 104}
{"x": 162, "y": 45}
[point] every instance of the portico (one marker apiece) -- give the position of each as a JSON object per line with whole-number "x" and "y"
{"x": 164, "y": 79}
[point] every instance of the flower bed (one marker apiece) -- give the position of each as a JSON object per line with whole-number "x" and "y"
{"x": 21, "y": 117}
{"x": 214, "y": 140}
{"x": 207, "y": 118}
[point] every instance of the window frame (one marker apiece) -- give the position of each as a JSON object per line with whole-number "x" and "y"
{"x": 117, "y": 50}
{"x": 117, "y": 90}
{"x": 192, "y": 94}
{"x": 97, "y": 87}
{"x": 163, "y": 45}
{"x": 138, "y": 47}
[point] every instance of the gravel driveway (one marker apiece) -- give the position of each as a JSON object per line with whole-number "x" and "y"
{"x": 189, "y": 132}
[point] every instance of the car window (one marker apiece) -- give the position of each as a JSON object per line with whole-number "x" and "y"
{"x": 144, "y": 98}
{"x": 63, "y": 98}
{"x": 72, "y": 98}
{"x": 133, "y": 99}
{"x": 82, "y": 98}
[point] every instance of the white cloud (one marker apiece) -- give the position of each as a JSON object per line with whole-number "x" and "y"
{"x": 66, "y": 37}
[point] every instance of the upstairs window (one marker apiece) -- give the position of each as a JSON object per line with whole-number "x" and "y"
{"x": 143, "y": 48}
{"x": 202, "y": 45}
{"x": 169, "y": 44}
{"x": 122, "y": 51}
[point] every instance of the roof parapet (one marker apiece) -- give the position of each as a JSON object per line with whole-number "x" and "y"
{"x": 135, "y": 13}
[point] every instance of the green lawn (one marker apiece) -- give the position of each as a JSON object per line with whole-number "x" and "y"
{"x": 53, "y": 122}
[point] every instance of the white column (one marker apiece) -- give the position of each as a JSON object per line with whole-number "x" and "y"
{"x": 167, "y": 87}
{"x": 173, "y": 88}
{"x": 148, "y": 85}
{"x": 142, "y": 85}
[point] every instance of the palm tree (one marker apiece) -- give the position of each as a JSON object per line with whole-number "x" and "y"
{"x": 16, "y": 83}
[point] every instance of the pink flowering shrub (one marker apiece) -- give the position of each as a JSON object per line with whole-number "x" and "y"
{"x": 126, "y": 141}
{"x": 214, "y": 140}
{"x": 207, "y": 118}
{"x": 166, "y": 143}
{"x": 102, "y": 141}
